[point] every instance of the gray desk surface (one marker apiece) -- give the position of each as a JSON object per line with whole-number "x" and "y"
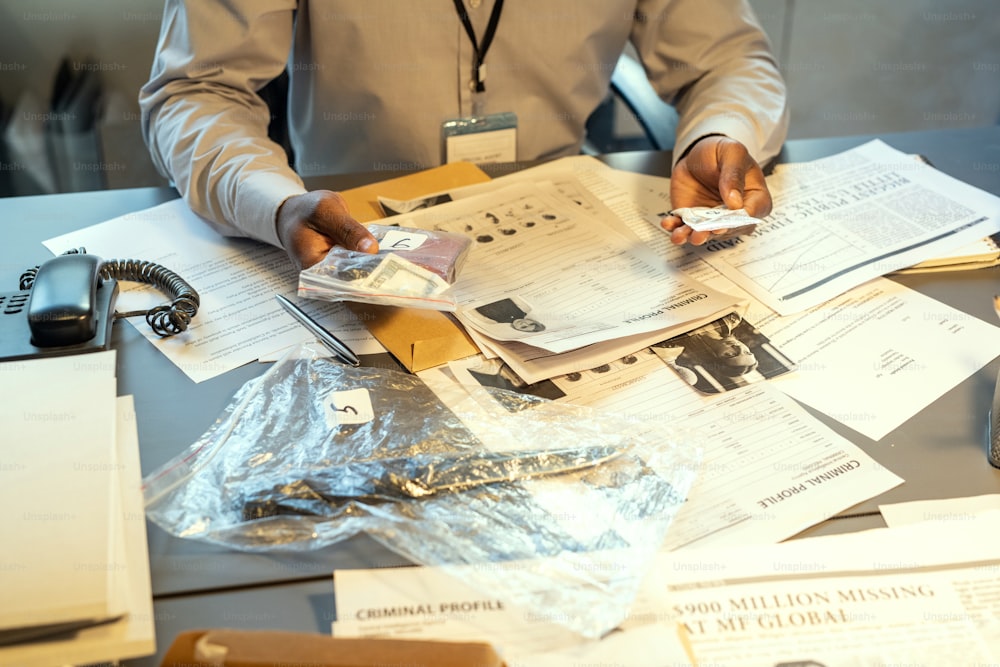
{"x": 940, "y": 452}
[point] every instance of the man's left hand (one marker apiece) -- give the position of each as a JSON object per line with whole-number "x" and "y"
{"x": 716, "y": 170}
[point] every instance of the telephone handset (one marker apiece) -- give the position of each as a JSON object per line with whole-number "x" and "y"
{"x": 66, "y": 306}
{"x": 63, "y": 303}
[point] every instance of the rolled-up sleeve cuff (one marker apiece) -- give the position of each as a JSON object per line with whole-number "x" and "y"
{"x": 258, "y": 198}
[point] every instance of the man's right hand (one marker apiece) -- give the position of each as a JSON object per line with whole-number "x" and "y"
{"x": 310, "y": 224}
{"x": 716, "y": 170}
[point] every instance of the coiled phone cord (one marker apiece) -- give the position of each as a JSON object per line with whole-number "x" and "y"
{"x": 165, "y": 320}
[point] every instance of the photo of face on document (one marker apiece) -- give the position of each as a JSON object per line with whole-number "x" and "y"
{"x": 723, "y": 355}
{"x": 509, "y": 318}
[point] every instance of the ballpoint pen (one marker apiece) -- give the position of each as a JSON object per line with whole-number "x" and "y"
{"x": 993, "y": 453}
{"x": 334, "y": 344}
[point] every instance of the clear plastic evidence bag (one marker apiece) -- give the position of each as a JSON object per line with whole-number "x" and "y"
{"x": 414, "y": 268}
{"x": 553, "y": 507}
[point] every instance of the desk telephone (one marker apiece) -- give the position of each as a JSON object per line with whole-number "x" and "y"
{"x": 67, "y": 305}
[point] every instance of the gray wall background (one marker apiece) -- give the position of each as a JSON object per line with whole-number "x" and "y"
{"x": 877, "y": 66}
{"x": 852, "y": 66}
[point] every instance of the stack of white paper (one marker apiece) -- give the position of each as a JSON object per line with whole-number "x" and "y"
{"x": 75, "y": 545}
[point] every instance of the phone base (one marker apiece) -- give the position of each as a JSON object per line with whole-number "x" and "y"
{"x": 15, "y": 334}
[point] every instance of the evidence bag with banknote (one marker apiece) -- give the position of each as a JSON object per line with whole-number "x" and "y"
{"x": 414, "y": 268}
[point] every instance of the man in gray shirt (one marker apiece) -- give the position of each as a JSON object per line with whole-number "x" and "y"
{"x": 372, "y": 81}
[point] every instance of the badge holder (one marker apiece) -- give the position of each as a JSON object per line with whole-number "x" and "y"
{"x": 480, "y": 139}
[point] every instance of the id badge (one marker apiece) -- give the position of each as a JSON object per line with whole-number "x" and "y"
{"x": 480, "y": 139}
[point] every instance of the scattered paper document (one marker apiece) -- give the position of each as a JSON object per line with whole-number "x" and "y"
{"x": 723, "y": 355}
{"x": 840, "y": 221}
{"x": 770, "y": 470}
{"x": 429, "y": 603}
{"x": 545, "y": 276}
{"x": 635, "y": 385}
{"x": 577, "y": 179}
{"x": 584, "y": 281}
{"x": 238, "y": 321}
{"x": 878, "y": 354}
{"x": 921, "y": 594}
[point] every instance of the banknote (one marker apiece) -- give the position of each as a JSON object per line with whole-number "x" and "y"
{"x": 397, "y": 276}
{"x": 706, "y": 218}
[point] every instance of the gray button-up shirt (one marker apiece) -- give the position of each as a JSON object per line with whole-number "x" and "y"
{"x": 372, "y": 81}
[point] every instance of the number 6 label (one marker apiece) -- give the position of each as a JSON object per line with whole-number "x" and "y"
{"x": 397, "y": 239}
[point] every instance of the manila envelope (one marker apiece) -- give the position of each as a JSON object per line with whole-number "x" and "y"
{"x": 419, "y": 339}
{"x": 265, "y": 648}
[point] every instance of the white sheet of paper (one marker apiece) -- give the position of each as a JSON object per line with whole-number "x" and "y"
{"x": 239, "y": 319}
{"x": 567, "y": 177}
{"x": 750, "y": 489}
{"x": 583, "y": 282}
{"x": 533, "y": 364}
{"x": 429, "y": 603}
{"x": 770, "y": 469}
{"x": 58, "y": 466}
{"x": 875, "y": 356}
{"x": 615, "y": 197}
{"x": 921, "y": 594}
{"x": 847, "y": 219}
{"x": 648, "y": 202}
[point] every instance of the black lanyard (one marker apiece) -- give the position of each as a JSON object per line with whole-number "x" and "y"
{"x": 479, "y": 52}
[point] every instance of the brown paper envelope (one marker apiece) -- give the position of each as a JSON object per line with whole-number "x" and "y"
{"x": 419, "y": 339}
{"x": 263, "y": 648}
{"x": 363, "y": 201}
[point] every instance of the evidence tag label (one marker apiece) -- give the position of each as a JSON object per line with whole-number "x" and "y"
{"x": 351, "y": 406}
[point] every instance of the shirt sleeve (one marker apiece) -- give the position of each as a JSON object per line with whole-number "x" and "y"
{"x": 205, "y": 125}
{"x": 713, "y": 62}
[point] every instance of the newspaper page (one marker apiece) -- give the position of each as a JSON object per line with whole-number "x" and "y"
{"x": 842, "y": 220}
{"x": 858, "y": 354}
{"x": 926, "y": 594}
